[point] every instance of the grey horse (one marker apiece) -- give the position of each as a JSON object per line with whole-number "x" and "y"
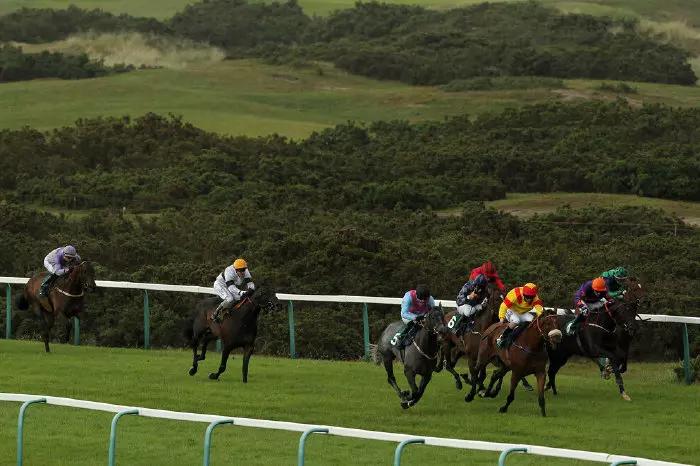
{"x": 418, "y": 358}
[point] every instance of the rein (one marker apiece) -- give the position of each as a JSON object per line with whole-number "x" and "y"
{"x": 421, "y": 351}
{"x": 82, "y": 292}
{"x": 542, "y": 335}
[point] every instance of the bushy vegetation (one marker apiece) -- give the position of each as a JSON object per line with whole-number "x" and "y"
{"x": 620, "y": 88}
{"x": 18, "y": 66}
{"x": 349, "y": 211}
{"x": 406, "y": 43}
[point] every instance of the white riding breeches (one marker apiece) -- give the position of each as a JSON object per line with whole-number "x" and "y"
{"x": 468, "y": 310}
{"x": 515, "y": 318}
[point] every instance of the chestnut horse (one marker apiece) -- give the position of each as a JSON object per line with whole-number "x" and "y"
{"x": 526, "y": 355}
{"x": 67, "y": 297}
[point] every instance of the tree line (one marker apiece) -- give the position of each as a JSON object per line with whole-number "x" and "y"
{"x": 407, "y": 43}
{"x": 351, "y": 210}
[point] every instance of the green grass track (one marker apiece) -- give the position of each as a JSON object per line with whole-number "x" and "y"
{"x": 661, "y": 422}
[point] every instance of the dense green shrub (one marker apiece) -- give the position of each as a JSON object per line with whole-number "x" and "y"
{"x": 504, "y": 83}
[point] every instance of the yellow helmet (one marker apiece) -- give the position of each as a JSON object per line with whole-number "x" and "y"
{"x": 240, "y": 264}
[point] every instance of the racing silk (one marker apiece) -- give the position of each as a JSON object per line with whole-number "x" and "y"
{"x": 586, "y": 295}
{"x": 412, "y": 307}
{"x": 493, "y": 278}
{"x": 615, "y": 288}
{"x": 229, "y": 281}
{"x": 515, "y": 301}
{"x": 463, "y": 296}
{"x": 56, "y": 263}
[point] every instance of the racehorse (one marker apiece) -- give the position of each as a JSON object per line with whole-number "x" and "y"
{"x": 66, "y": 297}
{"x": 526, "y": 355}
{"x": 606, "y": 332}
{"x": 419, "y": 358}
{"x": 238, "y": 329}
{"x": 467, "y": 345}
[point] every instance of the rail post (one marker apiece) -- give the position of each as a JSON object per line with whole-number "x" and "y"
{"x": 302, "y": 442}
{"x": 8, "y": 311}
{"x": 505, "y": 453}
{"x": 401, "y": 446}
{"x": 686, "y": 355}
{"x": 365, "y": 329}
{"x": 113, "y": 433}
{"x": 207, "y": 438}
{"x": 76, "y": 331}
{"x": 146, "y": 321}
{"x": 20, "y": 428}
{"x": 290, "y": 315}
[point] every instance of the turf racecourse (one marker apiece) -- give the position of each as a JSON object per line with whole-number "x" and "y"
{"x": 661, "y": 422}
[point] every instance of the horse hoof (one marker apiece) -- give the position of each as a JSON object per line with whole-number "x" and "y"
{"x": 469, "y": 398}
{"x": 458, "y": 385}
{"x": 502, "y": 409}
{"x": 214, "y": 376}
{"x": 193, "y": 370}
{"x": 626, "y": 397}
{"x": 405, "y": 404}
{"x": 481, "y": 393}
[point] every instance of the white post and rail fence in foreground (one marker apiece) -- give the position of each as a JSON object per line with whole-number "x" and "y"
{"x": 291, "y": 298}
{"x": 306, "y": 430}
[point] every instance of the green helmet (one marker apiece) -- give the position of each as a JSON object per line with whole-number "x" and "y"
{"x": 619, "y": 272}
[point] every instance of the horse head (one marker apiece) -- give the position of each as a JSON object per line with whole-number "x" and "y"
{"x": 434, "y": 321}
{"x": 547, "y": 325}
{"x": 84, "y": 273}
{"x": 624, "y": 312}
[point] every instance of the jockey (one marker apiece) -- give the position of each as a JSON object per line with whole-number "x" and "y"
{"x": 515, "y": 309}
{"x": 616, "y": 280}
{"x": 489, "y": 270}
{"x": 470, "y": 300}
{"x": 233, "y": 285}
{"x": 58, "y": 262}
{"x": 415, "y": 304}
{"x": 590, "y": 296}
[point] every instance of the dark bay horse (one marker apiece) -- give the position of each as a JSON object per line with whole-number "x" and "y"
{"x": 66, "y": 297}
{"x": 238, "y": 329}
{"x": 418, "y": 358}
{"x": 526, "y": 355}
{"x": 606, "y": 332}
{"x": 467, "y": 344}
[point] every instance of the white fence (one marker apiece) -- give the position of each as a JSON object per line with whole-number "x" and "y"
{"x": 330, "y": 430}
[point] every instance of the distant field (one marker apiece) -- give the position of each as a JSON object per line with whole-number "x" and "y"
{"x": 660, "y": 10}
{"x": 244, "y": 97}
{"x": 588, "y": 414}
{"x": 529, "y": 204}
{"x": 249, "y": 97}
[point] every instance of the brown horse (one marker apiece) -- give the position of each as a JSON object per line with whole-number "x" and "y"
{"x": 238, "y": 329}
{"x": 526, "y": 355}
{"x": 66, "y": 297}
{"x": 467, "y": 344}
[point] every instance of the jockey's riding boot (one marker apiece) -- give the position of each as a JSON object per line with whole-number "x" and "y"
{"x": 405, "y": 333}
{"x": 505, "y": 339}
{"x": 572, "y": 326}
{"x": 216, "y": 317}
{"x": 46, "y": 284}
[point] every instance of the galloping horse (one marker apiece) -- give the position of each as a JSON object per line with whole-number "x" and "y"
{"x": 419, "y": 358}
{"x": 66, "y": 297}
{"x": 238, "y": 329}
{"x": 526, "y": 355}
{"x": 454, "y": 347}
{"x": 605, "y": 333}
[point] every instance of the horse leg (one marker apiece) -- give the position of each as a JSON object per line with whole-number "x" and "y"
{"x": 391, "y": 379}
{"x": 554, "y": 366}
{"x": 526, "y": 385}
{"x": 46, "y": 331}
{"x": 514, "y": 379}
{"x": 476, "y": 380}
{"x": 411, "y": 378}
{"x": 67, "y": 327}
{"x": 442, "y": 359}
{"x": 450, "y": 363}
{"x": 424, "y": 381}
{"x": 540, "y": 391}
{"x": 222, "y": 366}
{"x": 194, "y": 344}
{"x": 247, "y": 353}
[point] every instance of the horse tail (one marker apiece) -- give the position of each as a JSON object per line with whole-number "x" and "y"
{"x": 375, "y": 354}
{"x": 22, "y": 302}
